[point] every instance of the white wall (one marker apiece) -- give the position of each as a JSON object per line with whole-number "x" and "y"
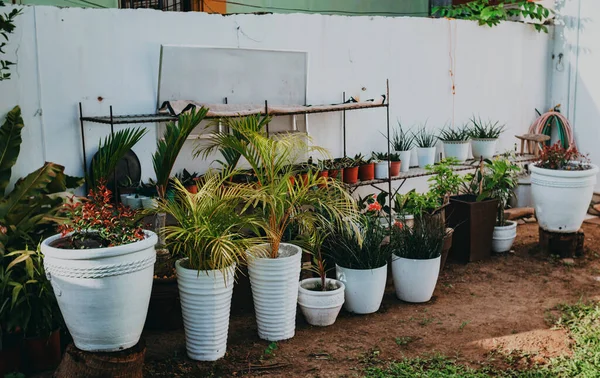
{"x": 70, "y": 55}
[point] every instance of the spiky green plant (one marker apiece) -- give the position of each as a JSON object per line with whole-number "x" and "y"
{"x": 458, "y": 134}
{"x": 402, "y": 140}
{"x": 424, "y": 138}
{"x": 481, "y": 129}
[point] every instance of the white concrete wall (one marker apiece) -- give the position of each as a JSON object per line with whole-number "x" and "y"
{"x": 70, "y": 55}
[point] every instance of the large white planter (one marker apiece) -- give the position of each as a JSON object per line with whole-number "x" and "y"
{"x": 274, "y": 285}
{"x": 205, "y": 305}
{"x": 364, "y": 288}
{"x": 405, "y": 159}
{"x": 382, "y": 170}
{"x": 561, "y": 198}
{"x": 320, "y": 308}
{"x": 504, "y": 236}
{"x": 483, "y": 148}
{"x": 457, "y": 150}
{"x": 415, "y": 280}
{"x": 426, "y": 156}
{"x": 103, "y": 293}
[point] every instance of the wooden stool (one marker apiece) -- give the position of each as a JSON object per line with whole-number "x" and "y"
{"x": 565, "y": 245}
{"x": 533, "y": 141}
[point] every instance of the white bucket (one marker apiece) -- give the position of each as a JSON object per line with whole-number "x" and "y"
{"x": 457, "y": 150}
{"x": 426, "y": 156}
{"x": 364, "y": 288}
{"x": 405, "y": 159}
{"x": 483, "y": 148}
{"x": 320, "y": 308}
{"x": 503, "y": 237}
{"x": 382, "y": 170}
{"x": 415, "y": 280}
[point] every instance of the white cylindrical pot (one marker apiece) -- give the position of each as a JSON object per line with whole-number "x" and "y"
{"x": 364, "y": 288}
{"x": 320, "y": 308}
{"x": 457, "y": 150}
{"x": 561, "y": 198}
{"x": 426, "y": 156}
{"x": 382, "y": 170}
{"x": 205, "y": 306}
{"x": 483, "y": 148}
{"x": 103, "y": 293}
{"x": 504, "y": 236}
{"x": 405, "y": 159}
{"x": 415, "y": 280}
{"x": 134, "y": 202}
{"x": 274, "y": 285}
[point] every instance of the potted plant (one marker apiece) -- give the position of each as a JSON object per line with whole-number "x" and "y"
{"x": 402, "y": 143}
{"x": 484, "y": 136}
{"x": 416, "y": 259}
{"x": 425, "y": 142}
{"x": 188, "y": 180}
{"x": 562, "y": 185}
{"x": 456, "y": 143}
{"x": 349, "y": 171}
{"x": 395, "y": 164}
{"x": 366, "y": 167}
{"x": 335, "y": 168}
{"x": 100, "y": 267}
{"x": 382, "y": 165}
{"x": 444, "y": 181}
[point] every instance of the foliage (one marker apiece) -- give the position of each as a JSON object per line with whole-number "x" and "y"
{"x": 481, "y": 129}
{"x": 379, "y": 156}
{"x": 460, "y": 134}
{"x": 560, "y": 158}
{"x": 7, "y": 26}
{"x": 394, "y": 157}
{"x": 359, "y": 160}
{"x": 402, "y": 140}
{"x": 373, "y": 204}
{"x": 424, "y": 138}
{"x": 485, "y": 12}
{"x": 499, "y": 181}
{"x": 186, "y": 178}
{"x": 169, "y": 146}
{"x": 417, "y": 204}
{"x": 314, "y": 246}
{"x": 111, "y": 151}
{"x": 444, "y": 181}
{"x": 421, "y": 242}
{"x": 97, "y": 223}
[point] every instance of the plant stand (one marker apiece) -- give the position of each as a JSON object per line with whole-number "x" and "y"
{"x": 77, "y": 363}
{"x": 565, "y": 245}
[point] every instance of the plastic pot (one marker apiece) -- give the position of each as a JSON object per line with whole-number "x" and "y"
{"x": 457, "y": 150}
{"x": 350, "y": 175}
{"x": 381, "y": 170}
{"x": 42, "y": 353}
{"x": 561, "y": 198}
{"x": 103, "y": 293}
{"x": 366, "y": 172}
{"x": 323, "y": 174}
{"x": 134, "y": 202}
{"x": 192, "y": 188}
{"x": 405, "y": 159}
{"x": 395, "y": 168}
{"x": 503, "y": 237}
{"x": 415, "y": 280}
{"x": 333, "y": 173}
{"x": 320, "y": 308}
{"x": 483, "y": 148}
{"x": 364, "y": 288}
{"x": 426, "y": 156}
{"x": 274, "y": 285}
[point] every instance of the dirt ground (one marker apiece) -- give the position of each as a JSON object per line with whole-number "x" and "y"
{"x": 479, "y": 312}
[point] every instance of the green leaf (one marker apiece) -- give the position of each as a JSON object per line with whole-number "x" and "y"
{"x": 10, "y": 145}
{"x": 15, "y": 293}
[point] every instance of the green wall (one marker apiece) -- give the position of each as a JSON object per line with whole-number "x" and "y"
{"x": 72, "y": 3}
{"x": 344, "y": 7}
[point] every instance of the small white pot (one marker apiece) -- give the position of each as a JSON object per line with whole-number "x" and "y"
{"x": 504, "y": 236}
{"x": 364, "y": 288}
{"x": 103, "y": 293}
{"x": 426, "y": 156}
{"x": 134, "y": 202}
{"x": 405, "y": 159}
{"x": 205, "y": 305}
{"x": 320, "y": 308}
{"x": 382, "y": 170}
{"x": 274, "y": 285}
{"x": 561, "y": 198}
{"x": 483, "y": 148}
{"x": 457, "y": 150}
{"x": 415, "y": 280}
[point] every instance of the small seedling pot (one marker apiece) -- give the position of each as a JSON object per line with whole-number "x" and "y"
{"x": 382, "y": 170}
{"x": 350, "y": 175}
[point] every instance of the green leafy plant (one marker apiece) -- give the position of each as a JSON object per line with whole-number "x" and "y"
{"x": 481, "y": 129}
{"x": 459, "y": 134}
{"x": 402, "y": 140}
{"x": 359, "y": 160}
{"x": 420, "y": 243}
{"x": 7, "y": 26}
{"x": 314, "y": 246}
{"x": 560, "y": 158}
{"x": 417, "y": 204}
{"x": 489, "y": 13}
{"x": 186, "y": 178}
{"x": 444, "y": 181}
{"x": 394, "y": 157}
{"x": 499, "y": 181}
{"x": 424, "y": 138}
{"x": 380, "y": 156}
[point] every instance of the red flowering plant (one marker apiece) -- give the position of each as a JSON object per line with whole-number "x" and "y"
{"x": 559, "y": 158}
{"x": 373, "y": 204}
{"x": 95, "y": 222}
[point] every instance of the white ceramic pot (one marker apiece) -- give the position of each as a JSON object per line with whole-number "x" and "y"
{"x": 382, "y": 170}
{"x": 364, "y": 288}
{"x": 274, "y": 285}
{"x": 457, "y": 150}
{"x": 426, "y": 156}
{"x": 483, "y": 148}
{"x": 561, "y": 198}
{"x": 134, "y": 202}
{"x": 103, "y": 293}
{"x": 405, "y": 159}
{"x": 415, "y": 280}
{"x": 205, "y": 305}
{"x": 320, "y": 308}
{"x": 504, "y": 236}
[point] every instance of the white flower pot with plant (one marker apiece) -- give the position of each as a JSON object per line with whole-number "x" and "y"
{"x": 484, "y": 136}
{"x": 456, "y": 143}
{"x": 562, "y": 186}
{"x": 102, "y": 280}
{"x": 382, "y": 165}
{"x": 504, "y": 237}
{"x": 425, "y": 142}
{"x": 402, "y": 143}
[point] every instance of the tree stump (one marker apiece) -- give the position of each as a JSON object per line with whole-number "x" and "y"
{"x": 78, "y": 363}
{"x": 565, "y": 245}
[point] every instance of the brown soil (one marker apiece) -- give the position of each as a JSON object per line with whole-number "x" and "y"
{"x": 479, "y": 312}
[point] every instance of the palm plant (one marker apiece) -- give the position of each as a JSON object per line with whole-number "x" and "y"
{"x": 499, "y": 181}
{"x": 424, "y": 138}
{"x": 481, "y": 129}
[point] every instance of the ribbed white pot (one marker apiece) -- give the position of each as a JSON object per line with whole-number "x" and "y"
{"x": 405, "y": 159}
{"x": 457, "y": 150}
{"x": 561, "y": 198}
{"x": 320, "y": 308}
{"x": 503, "y": 237}
{"x": 382, "y": 170}
{"x": 426, "y": 156}
{"x": 274, "y": 285}
{"x": 205, "y": 305}
{"x": 415, "y": 280}
{"x": 483, "y": 148}
{"x": 103, "y": 293}
{"x": 364, "y": 288}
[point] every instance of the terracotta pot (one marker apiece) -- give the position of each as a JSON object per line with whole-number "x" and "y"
{"x": 42, "y": 353}
{"x": 366, "y": 172}
{"x": 292, "y": 180}
{"x": 323, "y": 174}
{"x": 10, "y": 354}
{"x": 192, "y": 188}
{"x": 333, "y": 173}
{"x": 395, "y": 168}
{"x": 304, "y": 177}
{"x": 164, "y": 311}
{"x": 350, "y": 175}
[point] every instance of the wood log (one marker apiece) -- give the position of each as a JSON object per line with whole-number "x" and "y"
{"x": 519, "y": 213}
{"x": 565, "y": 245}
{"x": 78, "y": 363}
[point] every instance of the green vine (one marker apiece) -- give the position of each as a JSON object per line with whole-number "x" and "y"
{"x": 489, "y": 14}
{"x": 7, "y": 26}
